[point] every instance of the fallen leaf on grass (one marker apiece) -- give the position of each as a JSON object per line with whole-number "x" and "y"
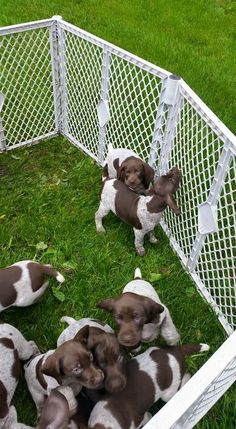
{"x": 2, "y": 216}
{"x": 58, "y": 294}
{"x": 190, "y": 291}
{"x": 41, "y": 246}
{"x": 15, "y": 157}
{"x": 154, "y": 277}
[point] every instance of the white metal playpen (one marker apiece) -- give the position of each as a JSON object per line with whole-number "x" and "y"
{"x": 58, "y": 79}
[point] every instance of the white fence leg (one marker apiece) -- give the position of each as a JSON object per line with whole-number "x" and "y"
{"x": 63, "y": 123}
{"x": 212, "y": 200}
{"x": 2, "y": 135}
{"x": 55, "y": 70}
{"x": 103, "y": 107}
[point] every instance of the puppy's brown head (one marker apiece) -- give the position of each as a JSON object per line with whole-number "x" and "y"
{"x": 134, "y": 172}
{"x": 73, "y": 360}
{"x": 131, "y": 312}
{"x": 166, "y": 186}
{"x": 110, "y": 357}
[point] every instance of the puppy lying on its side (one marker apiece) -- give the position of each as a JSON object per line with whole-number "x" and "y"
{"x": 142, "y": 212}
{"x": 13, "y": 349}
{"x": 129, "y": 168}
{"x": 70, "y": 364}
{"x": 140, "y": 314}
{"x": 158, "y": 373}
{"x": 23, "y": 283}
{"x": 102, "y": 342}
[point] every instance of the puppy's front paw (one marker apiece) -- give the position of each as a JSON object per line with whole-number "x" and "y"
{"x": 153, "y": 240}
{"x": 34, "y": 348}
{"x": 140, "y": 251}
{"x": 100, "y": 229}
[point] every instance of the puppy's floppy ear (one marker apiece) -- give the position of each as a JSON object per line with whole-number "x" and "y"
{"x": 148, "y": 174}
{"x": 106, "y": 304}
{"x": 121, "y": 171}
{"x": 152, "y": 308}
{"x": 82, "y": 335}
{"x": 170, "y": 201}
{"x": 52, "y": 367}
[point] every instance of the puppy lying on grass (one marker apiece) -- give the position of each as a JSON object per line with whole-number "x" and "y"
{"x": 142, "y": 212}
{"x": 70, "y": 364}
{"x": 107, "y": 352}
{"x": 158, "y": 373}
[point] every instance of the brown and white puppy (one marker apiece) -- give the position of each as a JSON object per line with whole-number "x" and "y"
{"x": 128, "y": 167}
{"x": 70, "y": 364}
{"x": 142, "y": 212}
{"x": 13, "y": 349}
{"x": 158, "y": 373}
{"x": 140, "y": 315}
{"x": 107, "y": 352}
{"x": 23, "y": 283}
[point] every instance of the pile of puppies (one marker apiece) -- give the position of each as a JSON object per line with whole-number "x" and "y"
{"x": 89, "y": 380}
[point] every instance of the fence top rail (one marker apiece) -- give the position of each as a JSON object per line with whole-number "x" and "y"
{"x": 162, "y": 73}
{"x": 11, "y": 29}
{"x": 215, "y": 123}
{"x": 195, "y": 387}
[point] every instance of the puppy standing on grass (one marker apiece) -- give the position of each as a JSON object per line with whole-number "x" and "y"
{"x": 142, "y": 212}
{"x": 140, "y": 314}
{"x": 129, "y": 168}
{"x": 13, "y": 349}
{"x": 158, "y": 373}
{"x": 23, "y": 283}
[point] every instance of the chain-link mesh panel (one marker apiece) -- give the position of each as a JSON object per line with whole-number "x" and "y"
{"x": 26, "y": 82}
{"x": 195, "y": 151}
{"x": 208, "y": 398}
{"x": 216, "y": 267}
{"x": 134, "y": 96}
{"x": 83, "y": 61}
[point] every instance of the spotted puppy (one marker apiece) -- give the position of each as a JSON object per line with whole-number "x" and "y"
{"x": 12, "y": 422}
{"x": 140, "y": 314}
{"x": 142, "y": 212}
{"x": 128, "y": 167}
{"x": 70, "y": 364}
{"x": 107, "y": 353}
{"x": 13, "y": 349}
{"x": 23, "y": 283}
{"x": 158, "y": 373}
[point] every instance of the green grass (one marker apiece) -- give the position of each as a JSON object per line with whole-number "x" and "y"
{"x": 49, "y": 194}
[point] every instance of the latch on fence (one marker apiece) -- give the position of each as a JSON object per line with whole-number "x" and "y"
{"x": 207, "y": 218}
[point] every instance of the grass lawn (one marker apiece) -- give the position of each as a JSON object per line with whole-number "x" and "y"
{"x": 49, "y": 193}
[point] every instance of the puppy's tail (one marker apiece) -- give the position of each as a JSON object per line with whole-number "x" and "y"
{"x": 50, "y": 271}
{"x": 137, "y": 274}
{"x": 191, "y": 349}
{"x": 68, "y": 320}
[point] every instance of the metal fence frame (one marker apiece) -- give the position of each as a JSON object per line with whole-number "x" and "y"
{"x": 169, "y": 113}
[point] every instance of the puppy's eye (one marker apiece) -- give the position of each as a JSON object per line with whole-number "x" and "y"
{"x": 77, "y": 369}
{"x": 91, "y": 357}
{"x": 118, "y": 317}
{"x": 136, "y": 316}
